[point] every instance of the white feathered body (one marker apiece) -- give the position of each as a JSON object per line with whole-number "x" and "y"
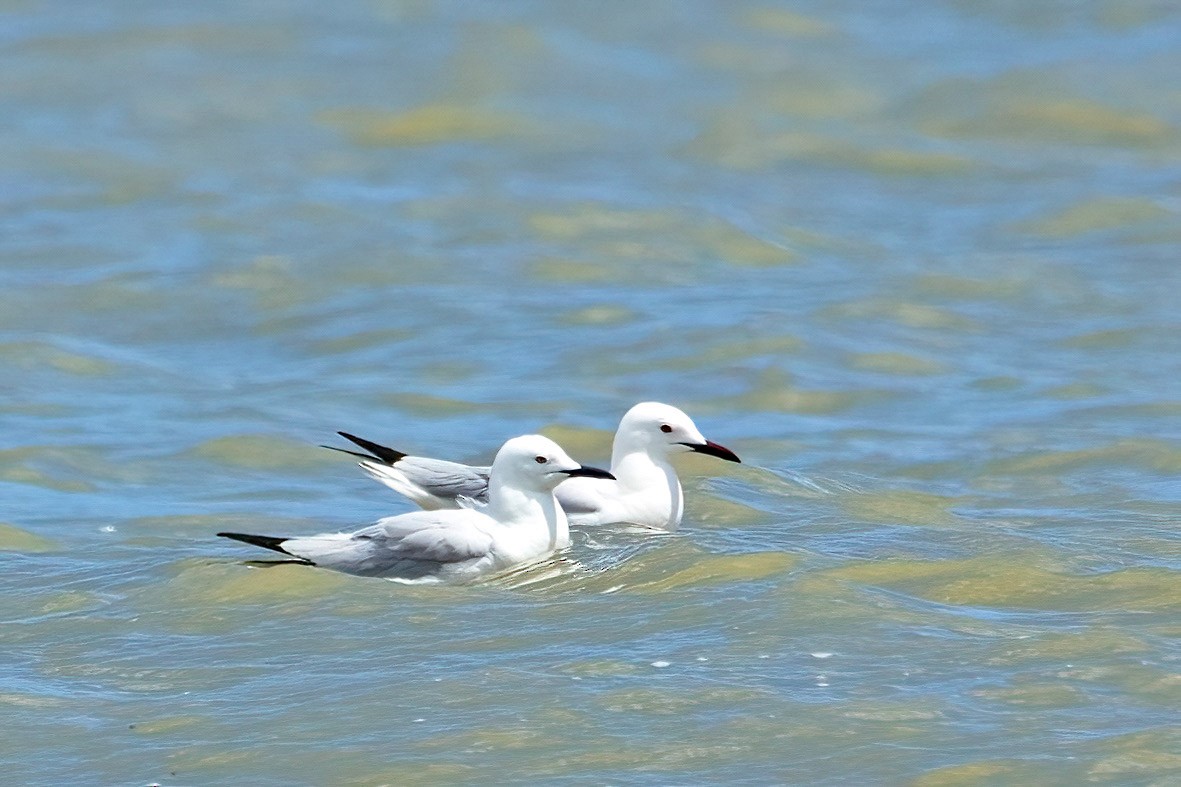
{"x": 450, "y": 545}
{"x": 646, "y": 492}
{"x": 520, "y": 523}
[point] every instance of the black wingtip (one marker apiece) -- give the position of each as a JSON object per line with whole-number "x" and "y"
{"x": 295, "y": 561}
{"x": 266, "y": 542}
{"x": 357, "y": 454}
{"x": 387, "y": 455}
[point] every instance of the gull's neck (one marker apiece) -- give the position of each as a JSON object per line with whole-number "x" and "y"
{"x": 638, "y": 464}
{"x": 534, "y": 516}
{"x": 652, "y": 484}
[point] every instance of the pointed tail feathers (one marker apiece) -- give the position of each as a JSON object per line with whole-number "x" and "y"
{"x": 357, "y": 454}
{"x": 379, "y": 452}
{"x": 266, "y": 542}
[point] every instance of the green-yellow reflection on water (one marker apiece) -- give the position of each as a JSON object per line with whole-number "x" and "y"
{"x": 430, "y": 124}
{"x": 1098, "y": 214}
{"x": 14, "y": 539}
{"x": 1019, "y": 581}
{"x": 905, "y": 507}
{"x": 258, "y": 451}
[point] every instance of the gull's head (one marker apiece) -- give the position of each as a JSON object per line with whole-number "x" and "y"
{"x": 538, "y": 463}
{"x": 661, "y": 429}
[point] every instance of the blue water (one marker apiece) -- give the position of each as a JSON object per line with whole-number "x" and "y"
{"x": 915, "y": 263}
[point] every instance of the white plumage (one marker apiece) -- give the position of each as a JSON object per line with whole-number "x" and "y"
{"x": 646, "y": 490}
{"x": 521, "y": 522}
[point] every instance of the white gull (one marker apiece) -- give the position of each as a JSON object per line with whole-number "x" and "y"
{"x": 646, "y": 490}
{"x": 520, "y": 523}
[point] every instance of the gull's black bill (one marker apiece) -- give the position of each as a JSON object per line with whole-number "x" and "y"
{"x": 710, "y": 448}
{"x": 589, "y": 472}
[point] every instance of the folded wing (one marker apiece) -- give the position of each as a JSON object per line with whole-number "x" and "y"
{"x": 410, "y": 546}
{"x": 432, "y": 483}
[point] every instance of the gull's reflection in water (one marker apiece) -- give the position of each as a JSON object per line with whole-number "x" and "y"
{"x": 595, "y": 555}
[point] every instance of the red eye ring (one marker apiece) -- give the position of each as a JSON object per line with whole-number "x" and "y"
{"x": 540, "y": 460}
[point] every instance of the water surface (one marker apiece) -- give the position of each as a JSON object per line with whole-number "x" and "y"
{"x": 916, "y": 263}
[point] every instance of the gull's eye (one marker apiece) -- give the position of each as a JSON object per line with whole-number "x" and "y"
{"x": 540, "y": 460}
{"x": 665, "y": 428}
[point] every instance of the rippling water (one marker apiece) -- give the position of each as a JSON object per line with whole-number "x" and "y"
{"x": 916, "y": 262}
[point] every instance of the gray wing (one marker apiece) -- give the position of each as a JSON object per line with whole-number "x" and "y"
{"x": 446, "y": 479}
{"x": 443, "y": 537}
{"x": 431, "y": 483}
{"x": 411, "y": 546}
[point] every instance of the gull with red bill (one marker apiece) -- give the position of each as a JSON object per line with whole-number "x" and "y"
{"x": 645, "y": 491}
